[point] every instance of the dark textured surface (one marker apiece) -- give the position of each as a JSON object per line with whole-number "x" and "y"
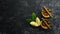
{"x": 13, "y": 13}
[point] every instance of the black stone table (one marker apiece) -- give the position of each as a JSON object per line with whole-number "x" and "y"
{"x": 14, "y": 12}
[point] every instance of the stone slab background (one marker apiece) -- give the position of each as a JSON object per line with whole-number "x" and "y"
{"x": 14, "y": 12}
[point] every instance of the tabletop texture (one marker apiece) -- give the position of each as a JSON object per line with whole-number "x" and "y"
{"x": 14, "y": 12}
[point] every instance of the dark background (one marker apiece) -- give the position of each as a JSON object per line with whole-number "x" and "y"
{"x": 14, "y": 12}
